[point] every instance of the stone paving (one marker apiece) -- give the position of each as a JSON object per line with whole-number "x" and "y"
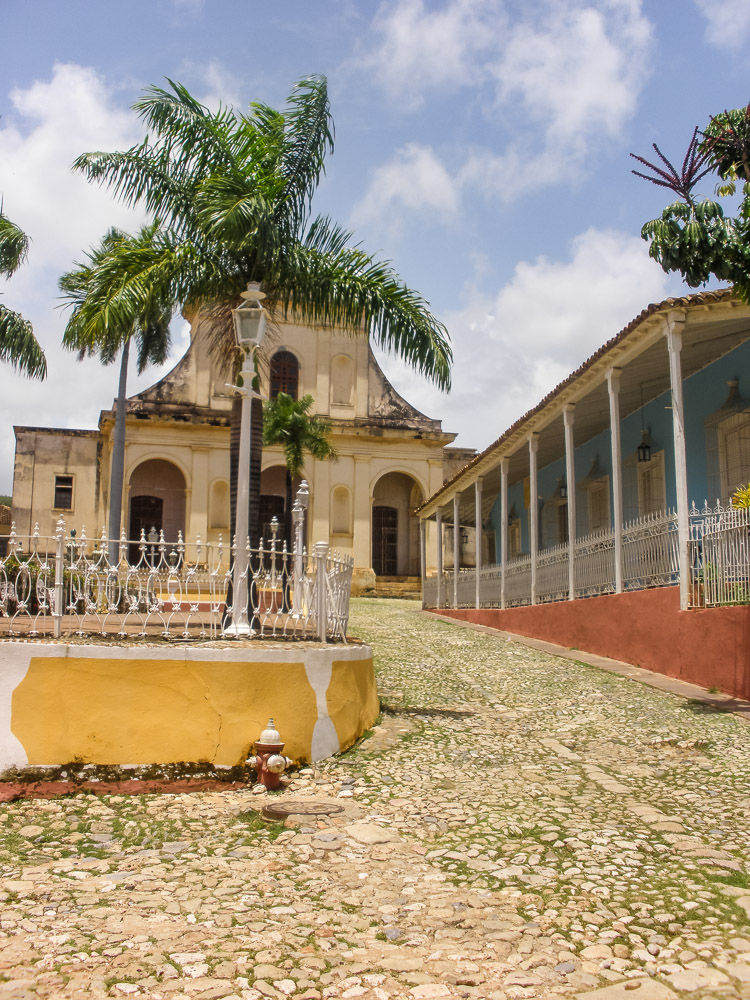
{"x": 516, "y": 826}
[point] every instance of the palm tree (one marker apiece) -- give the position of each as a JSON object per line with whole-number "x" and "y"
{"x": 18, "y": 345}
{"x": 233, "y": 192}
{"x": 114, "y": 299}
{"x": 289, "y": 423}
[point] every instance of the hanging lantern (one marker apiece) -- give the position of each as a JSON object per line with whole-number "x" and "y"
{"x": 644, "y": 448}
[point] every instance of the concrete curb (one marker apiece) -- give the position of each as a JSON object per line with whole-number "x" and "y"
{"x": 683, "y": 689}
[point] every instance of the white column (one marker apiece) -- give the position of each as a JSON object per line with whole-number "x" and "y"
{"x": 533, "y": 511}
{"x": 423, "y": 554}
{"x": 439, "y": 533}
{"x": 478, "y": 520}
{"x": 504, "y": 463}
{"x": 570, "y": 476}
{"x": 674, "y": 344}
{"x": 613, "y": 387}
{"x": 456, "y": 548}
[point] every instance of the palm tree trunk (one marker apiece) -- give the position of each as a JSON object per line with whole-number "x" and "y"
{"x": 256, "y": 454}
{"x": 256, "y": 447}
{"x": 288, "y": 510}
{"x": 117, "y": 472}
{"x": 287, "y": 538}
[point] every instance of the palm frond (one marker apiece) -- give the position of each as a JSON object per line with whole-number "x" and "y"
{"x": 289, "y": 423}
{"x": 125, "y": 290}
{"x": 354, "y": 291}
{"x": 14, "y": 245}
{"x": 19, "y": 346}
{"x": 308, "y": 138}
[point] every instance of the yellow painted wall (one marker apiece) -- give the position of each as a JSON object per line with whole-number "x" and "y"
{"x": 146, "y": 706}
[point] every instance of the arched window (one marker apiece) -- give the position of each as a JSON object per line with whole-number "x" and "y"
{"x": 284, "y": 374}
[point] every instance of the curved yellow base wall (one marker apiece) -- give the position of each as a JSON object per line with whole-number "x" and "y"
{"x": 130, "y": 705}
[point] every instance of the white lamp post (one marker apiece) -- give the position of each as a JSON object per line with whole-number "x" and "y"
{"x": 298, "y": 518}
{"x": 249, "y": 329}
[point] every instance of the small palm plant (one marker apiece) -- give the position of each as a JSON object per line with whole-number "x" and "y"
{"x": 289, "y": 423}
{"x": 741, "y": 497}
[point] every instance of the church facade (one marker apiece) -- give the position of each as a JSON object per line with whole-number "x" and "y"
{"x": 391, "y": 457}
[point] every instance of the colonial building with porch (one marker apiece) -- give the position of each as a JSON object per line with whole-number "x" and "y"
{"x": 390, "y": 456}
{"x": 606, "y": 509}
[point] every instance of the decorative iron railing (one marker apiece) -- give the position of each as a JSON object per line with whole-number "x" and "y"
{"x": 719, "y": 564}
{"x": 69, "y": 584}
{"x": 719, "y": 555}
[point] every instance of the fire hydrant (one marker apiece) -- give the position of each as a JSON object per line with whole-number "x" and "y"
{"x": 269, "y": 761}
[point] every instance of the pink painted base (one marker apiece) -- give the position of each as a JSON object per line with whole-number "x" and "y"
{"x": 645, "y": 628}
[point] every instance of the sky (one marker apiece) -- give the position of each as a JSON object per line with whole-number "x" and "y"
{"x": 481, "y": 147}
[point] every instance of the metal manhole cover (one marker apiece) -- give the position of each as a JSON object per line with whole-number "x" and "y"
{"x": 281, "y": 810}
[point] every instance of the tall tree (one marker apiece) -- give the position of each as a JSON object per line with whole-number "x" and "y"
{"x": 234, "y": 193}
{"x": 693, "y": 236}
{"x": 18, "y": 345}
{"x": 115, "y": 299}
{"x": 289, "y": 423}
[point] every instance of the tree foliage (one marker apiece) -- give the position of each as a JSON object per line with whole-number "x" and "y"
{"x": 18, "y": 345}
{"x": 120, "y": 295}
{"x": 232, "y": 194}
{"x": 695, "y": 237}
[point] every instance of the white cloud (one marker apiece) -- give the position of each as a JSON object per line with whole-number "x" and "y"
{"x": 414, "y": 179}
{"x": 422, "y": 49}
{"x": 578, "y": 69}
{"x": 728, "y": 22}
{"x": 560, "y": 79}
{"x": 222, "y": 87}
{"x": 513, "y": 347}
{"x": 52, "y": 122}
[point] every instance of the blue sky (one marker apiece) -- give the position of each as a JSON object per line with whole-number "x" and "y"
{"x": 481, "y": 145}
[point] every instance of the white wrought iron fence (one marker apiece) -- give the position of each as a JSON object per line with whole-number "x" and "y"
{"x": 552, "y": 574}
{"x": 650, "y": 552}
{"x": 69, "y": 584}
{"x": 719, "y": 556}
{"x": 719, "y": 564}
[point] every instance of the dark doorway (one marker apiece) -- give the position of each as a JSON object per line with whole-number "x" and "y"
{"x": 385, "y": 541}
{"x": 270, "y": 507}
{"x": 145, "y": 513}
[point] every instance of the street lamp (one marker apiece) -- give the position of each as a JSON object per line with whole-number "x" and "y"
{"x": 249, "y": 330}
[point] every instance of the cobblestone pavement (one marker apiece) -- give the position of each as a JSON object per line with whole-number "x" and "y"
{"x": 516, "y": 826}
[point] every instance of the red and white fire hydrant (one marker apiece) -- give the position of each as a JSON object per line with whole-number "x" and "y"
{"x": 269, "y": 761}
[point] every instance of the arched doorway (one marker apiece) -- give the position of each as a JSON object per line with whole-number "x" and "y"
{"x": 395, "y": 529}
{"x": 272, "y": 500}
{"x": 156, "y": 500}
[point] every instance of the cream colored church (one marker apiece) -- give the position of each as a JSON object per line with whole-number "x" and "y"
{"x": 391, "y": 457}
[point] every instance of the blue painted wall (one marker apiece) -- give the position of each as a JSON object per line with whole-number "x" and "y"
{"x": 705, "y": 393}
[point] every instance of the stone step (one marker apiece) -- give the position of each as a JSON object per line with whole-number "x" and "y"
{"x": 407, "y": 587}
